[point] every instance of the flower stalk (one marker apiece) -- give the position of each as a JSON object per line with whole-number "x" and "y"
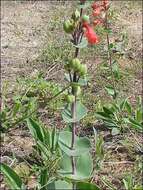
{"x": 109, "y": 52}
{"x": 77, "y": 38}
{"x": 77, "y": 26}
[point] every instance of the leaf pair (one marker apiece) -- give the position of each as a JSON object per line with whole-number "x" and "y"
{"x": 82, "y": 145}
{"x": 80, "y": 153}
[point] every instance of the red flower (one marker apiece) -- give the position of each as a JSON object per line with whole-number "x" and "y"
{"x": 97, "y": 11}
{"x": 94, "y": 5}
{"x": 90, "y": 34}
{"x": 96, "y": 22}
{"x": 105, "y": 4}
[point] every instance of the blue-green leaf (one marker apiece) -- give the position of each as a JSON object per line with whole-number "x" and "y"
{"x": 82, "y": 172}
{"x": 82, "y": 144}
{"x": 82, "y": 44}
{"x": 60, "y": 184}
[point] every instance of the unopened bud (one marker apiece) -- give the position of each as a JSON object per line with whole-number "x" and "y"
{"x": 76, "y": 64}
{"x": 83, "y": 70}
{"x": 85, "y": 18}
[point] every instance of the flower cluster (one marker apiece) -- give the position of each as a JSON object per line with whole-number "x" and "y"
{"x": 70, "y": 25}
{"x": 97, "y": 9}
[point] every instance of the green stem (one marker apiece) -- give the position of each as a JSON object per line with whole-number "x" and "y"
{"x": 109, "y": 53}
{"x": 77, "y": 38}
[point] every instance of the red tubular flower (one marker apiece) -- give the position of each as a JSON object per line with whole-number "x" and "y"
{"x": 90, "y": 34}
{"x": 94, "y": 5}
{"x": 97, "y": 21}
{"x": 97, "y": 11}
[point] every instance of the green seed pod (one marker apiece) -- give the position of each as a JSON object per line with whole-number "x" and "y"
{"x": 68, "y": 26}
{"x": 76, "y": 15}
{"x": 85, "y": 18}
{"x": 83, "y": 70}
{"x": 75, "y": 64}
{"x": 70, "y": 98}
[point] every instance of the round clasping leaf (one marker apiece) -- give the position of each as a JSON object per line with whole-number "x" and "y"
{"x": 82, "y": 145}
{"x": 84, "y": 167}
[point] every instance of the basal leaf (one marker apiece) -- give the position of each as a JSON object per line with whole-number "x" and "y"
{"x": 128, "y": 107}
{"x": 35, "y": 129}
{"x": 107, "y": 110}
{"x": 86, "y": 186}
{"x": 13, "y": 179}
{"x": 139, "y": 115}
{"x": 54, "y": 139}
{"x": 44, "y": 179}
{"x": 136, "y": 125}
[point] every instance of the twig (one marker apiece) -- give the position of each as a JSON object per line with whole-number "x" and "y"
{"x": 122, "y": 162}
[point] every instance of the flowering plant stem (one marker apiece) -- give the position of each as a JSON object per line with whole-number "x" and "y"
{"x": 77, "y": 37}
{"x": 109, "y": 52}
